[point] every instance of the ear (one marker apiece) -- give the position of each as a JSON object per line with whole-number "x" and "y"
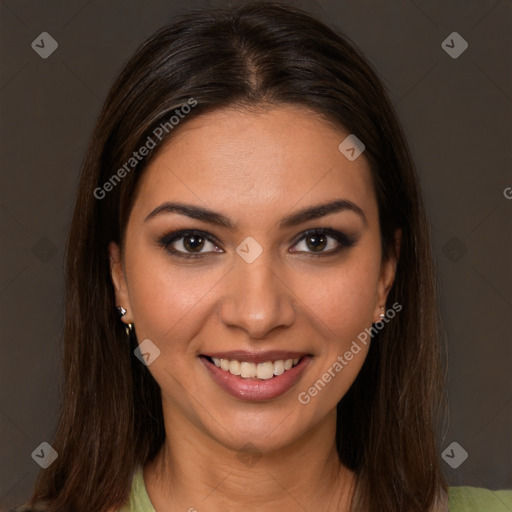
{"x": 387, "y": 275}
{"x": 119, "y": 281}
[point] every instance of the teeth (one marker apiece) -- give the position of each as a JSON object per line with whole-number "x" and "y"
{"x": 279, "y": 367}
{"x": 248, "y": 370}
{"x": 234, "y": 367}
{"x": 263, "y": 371}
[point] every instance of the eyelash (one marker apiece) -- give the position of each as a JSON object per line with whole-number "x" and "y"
{"x": 344, "y": 240}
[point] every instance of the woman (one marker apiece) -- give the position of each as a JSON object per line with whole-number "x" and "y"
{"x": 249, "y": 207}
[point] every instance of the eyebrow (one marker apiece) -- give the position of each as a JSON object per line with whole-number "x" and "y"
{"x": 309, "y": 213}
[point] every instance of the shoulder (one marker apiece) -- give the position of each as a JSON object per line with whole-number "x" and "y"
{"x": 475, "y": 499}
{"x": 27, "y": 508}
{"x": 138, "y": 500}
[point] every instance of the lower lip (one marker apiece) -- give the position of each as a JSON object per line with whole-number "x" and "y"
{"x": 256, "y": 389}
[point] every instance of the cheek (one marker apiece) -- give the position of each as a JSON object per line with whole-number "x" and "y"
{"x": 341, "y": 308}
{"x": 344, "y": 299}
{"x": 164, "y": 297}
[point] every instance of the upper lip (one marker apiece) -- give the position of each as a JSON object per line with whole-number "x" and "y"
{"x": 257, "y": 357}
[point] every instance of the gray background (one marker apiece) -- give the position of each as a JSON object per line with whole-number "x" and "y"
{"x": 457, "y": 116}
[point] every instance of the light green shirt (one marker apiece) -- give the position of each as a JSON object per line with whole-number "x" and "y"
{"x": 461, "y": 499}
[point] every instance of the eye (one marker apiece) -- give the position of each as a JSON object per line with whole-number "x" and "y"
{"x": 197, "y": 244}
{"x": 189, "y": 244}
{"x": 323, "y": 242}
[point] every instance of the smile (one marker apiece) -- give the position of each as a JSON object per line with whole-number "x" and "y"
{"x": 248, "y": 370}
{"x": 256, "y": 377}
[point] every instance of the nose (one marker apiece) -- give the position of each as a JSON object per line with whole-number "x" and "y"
{"x": 257, "y": 299}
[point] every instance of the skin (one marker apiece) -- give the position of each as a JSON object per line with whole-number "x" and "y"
{"x": 223, "y": 453}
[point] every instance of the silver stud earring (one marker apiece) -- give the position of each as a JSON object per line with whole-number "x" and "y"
{"x": 382, "y": 315}
{"x": 128, "y": 327}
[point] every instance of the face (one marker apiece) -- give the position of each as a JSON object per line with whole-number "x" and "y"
{"x": 263, "y": 277}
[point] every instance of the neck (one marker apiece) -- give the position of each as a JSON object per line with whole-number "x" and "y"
{"x": 194, "y": 471}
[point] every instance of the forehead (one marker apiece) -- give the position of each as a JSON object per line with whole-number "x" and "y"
{"x": 266, "y": 161}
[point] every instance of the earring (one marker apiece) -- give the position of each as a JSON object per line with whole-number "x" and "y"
{"x": 127, "y": 327}
{"x": 382, "y": 315}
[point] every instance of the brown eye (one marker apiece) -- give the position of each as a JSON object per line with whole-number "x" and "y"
{"x": 323, "y": 242}
{"x": 316, "y": 242}
{"x": 189, "y": 244}
{"x": 193, "y": 243}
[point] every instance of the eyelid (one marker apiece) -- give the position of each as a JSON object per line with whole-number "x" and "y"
{"x": 344, "y": 241}
{"x": 166, "y": 240}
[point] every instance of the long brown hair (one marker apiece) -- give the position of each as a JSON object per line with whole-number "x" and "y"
{"x": 248, "y": 56}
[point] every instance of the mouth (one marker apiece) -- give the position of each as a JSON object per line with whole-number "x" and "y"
{"x": 256, "y": 377}
{"x": 250, "y": 370}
